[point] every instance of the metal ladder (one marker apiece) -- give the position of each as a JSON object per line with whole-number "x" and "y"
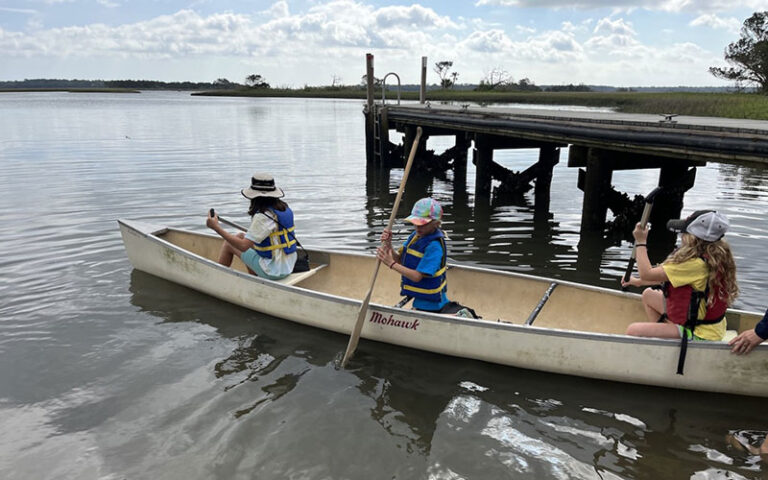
{"x": 380, "y": 123}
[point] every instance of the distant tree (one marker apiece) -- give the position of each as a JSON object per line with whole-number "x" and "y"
{"x": 569, "y": 88}
{"x": 443, "y": 70}
{"x": 748, "y": 55}
{"x": 495, "y": 78}
{"x": 364, "y": 81}
{"x": 335, "y": 81}
{"x": 527, "y": 85}
{"x": 454, "y": 78}
{"x": 256, "y": 81}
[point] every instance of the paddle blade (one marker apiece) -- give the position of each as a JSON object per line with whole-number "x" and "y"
{"x": 354, "y": 338}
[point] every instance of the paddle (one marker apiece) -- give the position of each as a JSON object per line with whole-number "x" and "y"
{"x": 643, "y": 222}
{"x": 354, "y": 337}
{"x": 230, "y": 222}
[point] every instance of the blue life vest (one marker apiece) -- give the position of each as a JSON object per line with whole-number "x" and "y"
{"x": 430, "y": 287}
{"x": 284, "y": 237}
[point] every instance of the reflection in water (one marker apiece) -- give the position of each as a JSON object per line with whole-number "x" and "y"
{"x": 441, "y": 411}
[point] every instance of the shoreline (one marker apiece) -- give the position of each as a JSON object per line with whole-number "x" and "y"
{"x": 70, "y": 90}
{"x": 704, "y": 104}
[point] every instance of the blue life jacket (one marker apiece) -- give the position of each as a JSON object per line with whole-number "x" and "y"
{"x": 431, "y": 286}
{"x": 284, "y": 237}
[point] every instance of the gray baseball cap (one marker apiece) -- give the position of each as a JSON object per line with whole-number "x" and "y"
{"x": 707, "y": 225}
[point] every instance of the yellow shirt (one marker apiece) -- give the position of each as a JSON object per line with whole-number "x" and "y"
{"x": 694, "y": 272}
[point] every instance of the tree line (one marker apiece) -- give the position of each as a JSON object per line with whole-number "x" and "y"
{"x": 221, "y": 83}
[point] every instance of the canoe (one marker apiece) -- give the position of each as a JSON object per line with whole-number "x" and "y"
{"x": 527, "y": 321}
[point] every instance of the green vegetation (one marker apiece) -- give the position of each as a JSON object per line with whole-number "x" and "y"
{"x": 749, "y": 55}
{"x": 730, "y": 105}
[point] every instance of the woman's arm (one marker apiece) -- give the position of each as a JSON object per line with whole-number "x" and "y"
{"x": 237, "y": 241}
{"x": 749, "y": 339}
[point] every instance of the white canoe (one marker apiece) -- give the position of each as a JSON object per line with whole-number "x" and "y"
{"x": 578, "y": 330}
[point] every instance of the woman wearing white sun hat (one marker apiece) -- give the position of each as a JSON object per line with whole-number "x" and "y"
{"x": 268, "y": 248}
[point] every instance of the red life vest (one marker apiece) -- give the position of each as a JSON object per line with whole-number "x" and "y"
{"x": 683, "y": 309}
{"x": 683, "y": 305}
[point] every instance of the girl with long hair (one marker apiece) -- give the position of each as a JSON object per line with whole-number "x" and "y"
{"x": 699, "y": 281}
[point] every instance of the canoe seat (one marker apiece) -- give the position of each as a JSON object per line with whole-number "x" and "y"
{"x": 295, "y": 278}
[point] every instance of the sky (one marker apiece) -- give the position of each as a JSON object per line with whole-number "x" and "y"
{"x": 319, "y": 42}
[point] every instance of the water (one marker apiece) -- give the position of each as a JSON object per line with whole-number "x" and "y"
{"x": 109, "y": 373}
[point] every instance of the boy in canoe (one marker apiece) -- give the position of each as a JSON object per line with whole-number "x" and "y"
{"x": 421, "y": 259}
{"x": 268, "y": 248}
{"x": 701, "y": 272}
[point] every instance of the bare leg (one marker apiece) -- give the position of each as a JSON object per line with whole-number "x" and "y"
{"x": 653, "y": 301}
{"x": 656, "y": 330}
{"x": 227, "y": 252}
{"x": 764, "y": 448}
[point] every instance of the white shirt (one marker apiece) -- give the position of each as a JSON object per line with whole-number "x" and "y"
{"x": 261, "y": 226}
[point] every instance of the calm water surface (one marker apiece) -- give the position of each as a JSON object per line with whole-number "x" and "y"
{"x": 109, "y": 373}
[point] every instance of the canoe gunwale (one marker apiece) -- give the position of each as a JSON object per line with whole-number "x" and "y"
{"x": 449, "y": 319}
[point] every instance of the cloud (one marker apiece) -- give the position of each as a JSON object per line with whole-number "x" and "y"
{"x": 25, "y": 11}
{"x": 279, "y": 9}
{"x": 331, "y": 37}
{"x": 625, "y": 5}
{"x": 713, "y": 21}
{"x": 488, "y": 41}
{"x": 606, "y": 26}
{"x": 332, "y": 26}
{"x": 413, "y": 16}
{"x": 183, "y": 33}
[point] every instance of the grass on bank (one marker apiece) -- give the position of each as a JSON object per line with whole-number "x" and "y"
{"x": 728, "y": 105}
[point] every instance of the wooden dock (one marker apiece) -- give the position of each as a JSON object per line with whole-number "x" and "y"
{"x": 598, "y": 143}
{"x": 665, "y": 135}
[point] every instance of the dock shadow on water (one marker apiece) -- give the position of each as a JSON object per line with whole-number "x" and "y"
{"x": 399, "y": 413}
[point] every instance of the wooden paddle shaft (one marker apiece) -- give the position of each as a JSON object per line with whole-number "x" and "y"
{"x": 232, "y": 224}
{"x": 643, "y": 222}
{"x": 354, "y": 337}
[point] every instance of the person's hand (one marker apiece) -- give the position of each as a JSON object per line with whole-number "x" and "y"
{"x": 212, "y": 221}
{"x": 640, "y": 233}
{"x": 745, "y": 342}
{"x": 632, "y": 282}
{"x": 386, "y": 237}
{"x": 385, "y": 255}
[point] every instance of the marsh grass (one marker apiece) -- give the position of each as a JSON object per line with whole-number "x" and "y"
{"x": 729, "y": 105}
